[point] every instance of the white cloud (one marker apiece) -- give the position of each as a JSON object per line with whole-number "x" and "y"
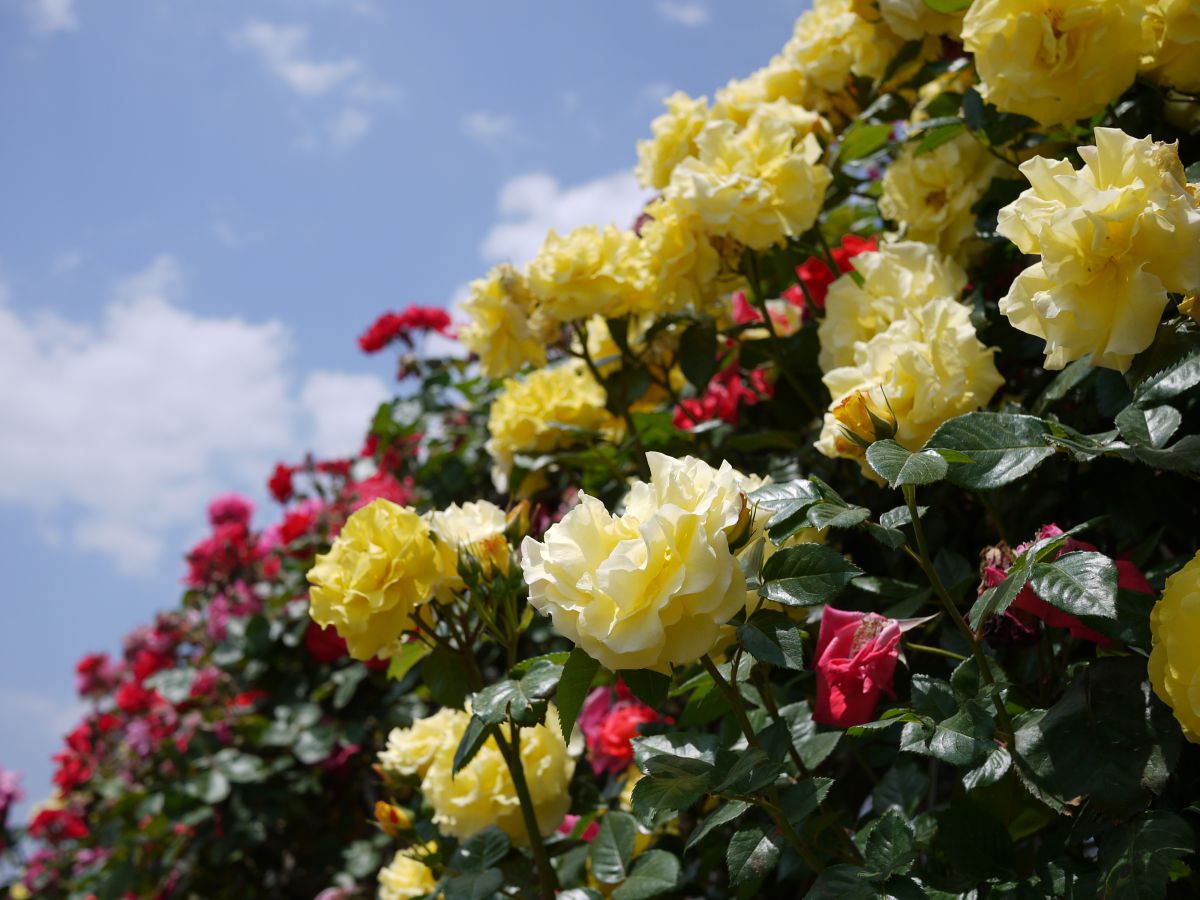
{"x": 121, "y": 432}
{"x": 340, "y": 404}
{"x": 654, "y": 93}
{"x": 688, "y": 13}
{"x": 490, "y": 128}
{"x": 283, "y": 50}
{"x": 530, "y": 205}
{"x": 349, "y": 127}
{"x": 50, "y": 16}
{"x": 66, "y": 262}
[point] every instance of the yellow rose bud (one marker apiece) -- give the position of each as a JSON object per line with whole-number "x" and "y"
{"x": 391, "y": 818}
{"x": 405, "y": 879}
{"x": 1175, "y": 656}
{"x": 862, "y": 421}
{"x": 381, "y": 568}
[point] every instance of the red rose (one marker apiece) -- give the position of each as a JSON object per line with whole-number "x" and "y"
{"x": 815, "y": 275}
{"x": 56, "y": 825}
{"x": 619, "y": 728}
{"x": 855, "y": 662}
{"x": 323, "y": 644}
{"x": 280, "y": 484}
{"x": 132, "y": 698}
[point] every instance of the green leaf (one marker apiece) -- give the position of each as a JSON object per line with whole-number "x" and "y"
{"x": 973, "y": 841}
{"x": 649, "y": 687}
{"x": 898, "y": 465}
{"x": 843, "y": 882}
{"x": 175, "y": 685}
{"x": 752, "y": 853}
{"x": 1064, "y": 382}
{"x": 722, "y": 815}
{"x": 474, "y": 736}
{"x": 653, "y": 797}
{"x": 1080, "y": 583}
{"x": 813, "y": 744}
{"x": 209, "y": 787}
{"x": 1172, "y": 380}
{"x": 947, "y": 6}
{"x": 807, "y": 575}
{"x": 800, "y": 800}
{"x": 861, "y": 140}
{"x": 655, "y": 872}
{"x": 524, "y": 700}
{"x": 347, "y": 681}
{"x": 963, "y": 739}
{"x": 996, "y": 600}
{"x": 773, "y": 638}
{"x": 1182, "y": 456}
{"x": 889, "y": 848}
{"x": 409, "y": 655}
{"x": 750, "y": 771}
{"x": 612, "y": 848}
{"x": 474, "y": 885}
{"x": 314, "y": 744}
{"x": 825, "y": 514}
{"x": 1138, "y": 855}
{"x": 680, "y": 768}
{"x": 444, "y": 676}
{"x": 481, "y": 851}
{"x": 238, "y": 767}
{"x": 932, "y": 138}
{"x": 1004, "y": 447}
{"x": 1148, "y": 427}
{"x": 972, "y": 106}
{"x": 990, "y": 771}
{"x": 698, "y": 354}
{"x": 577, "y": 675}
{"x": 1108, "y": 738}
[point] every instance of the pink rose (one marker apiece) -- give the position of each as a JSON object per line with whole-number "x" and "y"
{"x": 855, "y": 663}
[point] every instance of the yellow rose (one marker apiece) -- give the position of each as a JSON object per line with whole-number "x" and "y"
{"x": 926, "y": 367}
{"x": 915, "y": 19}
{"x": 930, "y": 196}
{"x": 499, "y": 330}
{"x": 650, "y": 588}
{"x": 1055, "y": 60}
{"x": 674, "y": 139}
{"x": 544, "y": 411}
{"x": 1114, "y": 236}
{"x": 591, "y": 271}
{"x": 1175, "y": 29}
{"x": 683, "y": 264}
{"x": 741, "y": 97}
{"x": 832, "y": 42}
{"x": 405, "y": 878}
{"x": 410, "y": 751}
{"x": 758, "y": 185}
{"x": 1175, "y": 655}
{"x": 482, "y": 793}
{"x": 899, "y": 276}
{"x": 381, "y": 568}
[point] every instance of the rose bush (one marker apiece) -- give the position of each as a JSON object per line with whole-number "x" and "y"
{"x": 829, "y": 531}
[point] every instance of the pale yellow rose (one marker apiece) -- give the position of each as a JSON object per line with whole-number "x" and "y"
{"x": 832, "y": 42}
{"x": 682, "y": 262}
{"x": 1175, "y": 656}
{"x": 482, "y": 793}
{"x": 930, "y": 196}
{"x": 652, "y": 587}
{"x": 590, "y": 271}
{"x": 1055, "y": 60}
{"x": 1175, "y": 34}
{"x": 757, "y": 185}
{"x": 499, "y": 328}
{"x": 545, "y": 411}
{"x": 741, "y": 97}
{"x": 405, "y": 878}
{"x": 899, "y": 276}
{"x": 410, "y": 751}
{"x": 927, "y": 367}
{"x": 674, "y": 139}
{"x": 475, "y": 528}
{"x": 1114, "y": 236}
{"x": 381, "y": 568}
{"x": 915, "y": 19}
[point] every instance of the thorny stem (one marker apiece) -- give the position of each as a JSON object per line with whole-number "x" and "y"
{"x": 772, "y": 805}
{"x": 926, "y": 564}
{"x": 936, "y": 651}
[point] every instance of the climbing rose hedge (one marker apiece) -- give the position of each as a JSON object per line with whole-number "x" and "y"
{"x": 829, "y": 531}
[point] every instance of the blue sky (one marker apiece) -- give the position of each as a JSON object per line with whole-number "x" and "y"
{"x": 205, "y": 202}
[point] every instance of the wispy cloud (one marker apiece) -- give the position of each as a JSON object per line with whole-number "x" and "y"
{"x": 688, "y": 13}
{"x": 490, "y": 128}
{"x": 52, "y": 16}
{"x": 530, "y": 205}
{"x": 122, "y": 431}
{"x": 283, "y": 50}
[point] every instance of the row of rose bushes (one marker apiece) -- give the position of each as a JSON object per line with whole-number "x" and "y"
{"x": 838, "y": 513}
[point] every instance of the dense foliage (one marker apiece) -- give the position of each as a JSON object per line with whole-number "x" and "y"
{"x": 831, "y": 532}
